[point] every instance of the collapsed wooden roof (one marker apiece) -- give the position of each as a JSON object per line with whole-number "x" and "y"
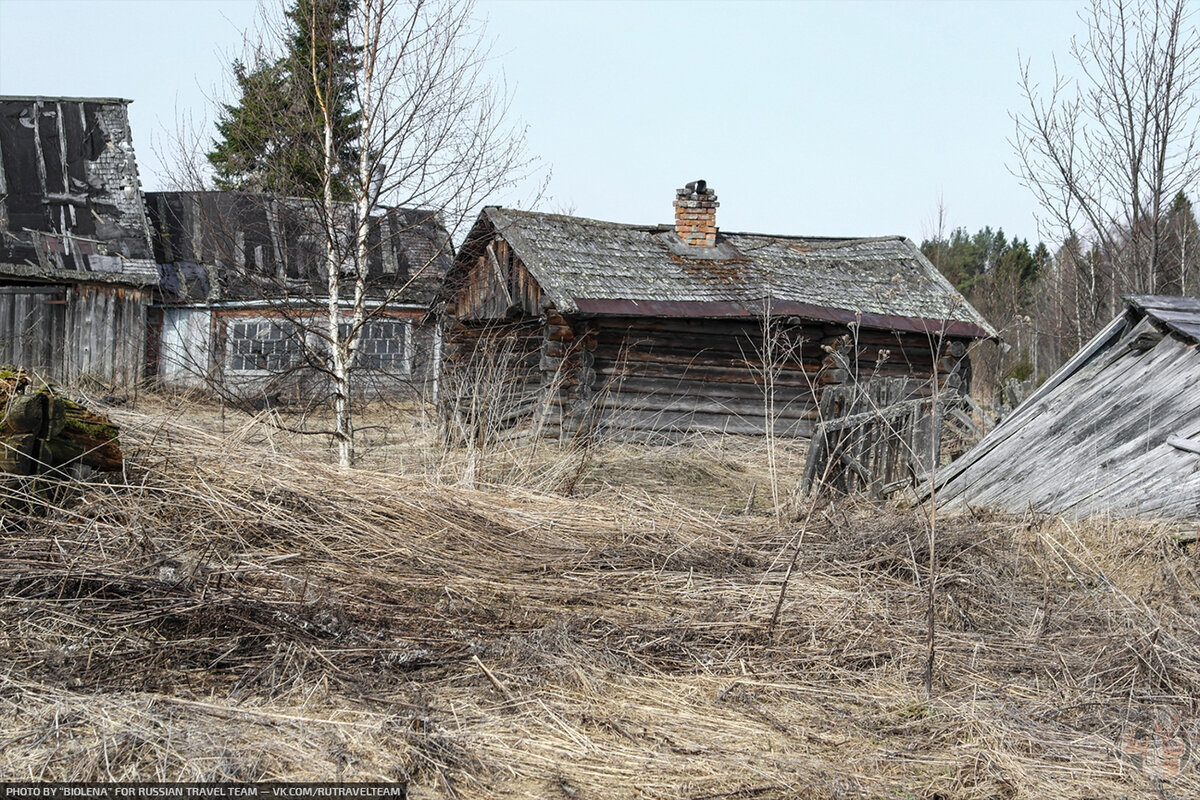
{"x": 1116, "y": 430}
{"x": 586, "y": 266}
{"x": 70, "y": 200}
{"x": 228, "y": 246}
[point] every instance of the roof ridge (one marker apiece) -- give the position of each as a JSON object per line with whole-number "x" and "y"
{"x": 666, "y": 226}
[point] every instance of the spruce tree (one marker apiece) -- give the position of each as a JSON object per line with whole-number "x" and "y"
{"x": 271, "y": 139}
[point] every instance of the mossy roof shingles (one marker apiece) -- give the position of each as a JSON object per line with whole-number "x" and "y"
{"x": 586, "y": 265}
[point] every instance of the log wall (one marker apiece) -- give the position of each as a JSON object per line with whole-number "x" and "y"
{"x": 732, "y": 376}
{"x": 511, "y": 359}
{"x": 493, "y": 381}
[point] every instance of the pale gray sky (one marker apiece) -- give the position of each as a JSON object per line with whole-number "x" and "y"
{"x": 816, "y": 118}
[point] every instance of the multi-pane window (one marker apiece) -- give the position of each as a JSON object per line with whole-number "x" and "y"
{"x": 258, "y": 345}
{"x": 381, "y": 345}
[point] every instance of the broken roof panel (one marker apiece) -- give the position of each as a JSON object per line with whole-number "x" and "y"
{"x": 71, "y": 204}
{"x": 1116, "y": 430}
{"x": 590, "y": 266}
{"x": 226, "y": 245}
{"x": 1180, "y": 314}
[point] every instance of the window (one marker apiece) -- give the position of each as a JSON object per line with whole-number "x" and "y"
{"x": 382, "y": 345}
{"x": 262, "y": 345}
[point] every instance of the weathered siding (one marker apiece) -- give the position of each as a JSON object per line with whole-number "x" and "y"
{"x": 498, "y": 287}
{"x": 70, "y": 332}
{"x": 105, "y": 334}
{"x": 32, "y": 319}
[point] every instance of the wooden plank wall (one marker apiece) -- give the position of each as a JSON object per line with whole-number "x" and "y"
{"x": 32, "y": 319}
{"x": 498, "y": 287}
{"x": 105, "y": 334}
{"x": 67, "y": 333}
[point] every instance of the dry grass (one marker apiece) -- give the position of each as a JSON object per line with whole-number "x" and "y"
{"x": 236, "y": 608}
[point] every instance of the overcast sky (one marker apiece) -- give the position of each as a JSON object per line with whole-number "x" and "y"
{"x": 815, "y": 118}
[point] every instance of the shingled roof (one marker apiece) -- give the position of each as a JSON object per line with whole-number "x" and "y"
{"x": 589, "y": 266}
{"x": 1116, "y": 430}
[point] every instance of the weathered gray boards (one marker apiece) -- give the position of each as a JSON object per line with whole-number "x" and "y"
{"x": 1116, "y": 430}
{"x": 875, "y": 437}
{"x": 75, "y": 260}
{"x": 563, "y": 324}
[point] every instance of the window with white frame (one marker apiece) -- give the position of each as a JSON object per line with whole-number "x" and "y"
{"x": 382, "y": 345}
{"x": 261, "y": 345}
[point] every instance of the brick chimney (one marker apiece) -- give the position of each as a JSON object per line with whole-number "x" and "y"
{"x": 696, "y": 214}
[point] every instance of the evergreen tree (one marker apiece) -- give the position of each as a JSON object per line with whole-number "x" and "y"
{"x": 271, "y": 139}
{"x": 1179, "y": 266}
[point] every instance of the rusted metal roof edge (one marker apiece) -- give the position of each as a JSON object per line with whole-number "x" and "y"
{"x": 716, "y": 309}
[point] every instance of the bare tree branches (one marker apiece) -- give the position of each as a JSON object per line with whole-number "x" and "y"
{"x": 1106, "y": 147}
{"x": 430, "y": 134}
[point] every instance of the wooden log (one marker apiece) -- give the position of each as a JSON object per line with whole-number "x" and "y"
{"x": 42, "y": 431}
{"x": 677, "y": 404}
{"x": 643, "y": 384}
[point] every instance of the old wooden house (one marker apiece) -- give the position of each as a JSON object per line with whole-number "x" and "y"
{"x": 1115, "y": 431}
{"x": 567, "y": 324}
{"x": 244, "y": 292}
{"x": 76, "y": 268}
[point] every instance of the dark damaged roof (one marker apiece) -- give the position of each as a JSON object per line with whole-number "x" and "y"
{"x": 590, "y": 266}
{"x": 70, "y": 200}
{"x": 229, "y": 246}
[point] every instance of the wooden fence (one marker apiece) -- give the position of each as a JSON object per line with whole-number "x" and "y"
{"x": 870, "y": 441}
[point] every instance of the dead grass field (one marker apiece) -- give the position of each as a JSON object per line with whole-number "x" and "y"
{"x": 235, "y": 608}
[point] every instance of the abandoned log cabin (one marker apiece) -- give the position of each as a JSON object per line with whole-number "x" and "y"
{"x": 567, "y": 324}
{"x": 243, "y": 279}
{"x": 1115, "y": 431}
{"x": 76, "y": 268}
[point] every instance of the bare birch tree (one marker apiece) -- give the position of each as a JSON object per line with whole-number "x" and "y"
{"x": 1108, "y": 144}
{"x": 431, "y": 133}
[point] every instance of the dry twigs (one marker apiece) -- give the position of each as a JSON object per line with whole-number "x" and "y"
{"x": 232, "y": 611}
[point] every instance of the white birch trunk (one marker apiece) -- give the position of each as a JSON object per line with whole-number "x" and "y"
{"x": 343, "y": 428}
{"x": 365, "y": 199}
